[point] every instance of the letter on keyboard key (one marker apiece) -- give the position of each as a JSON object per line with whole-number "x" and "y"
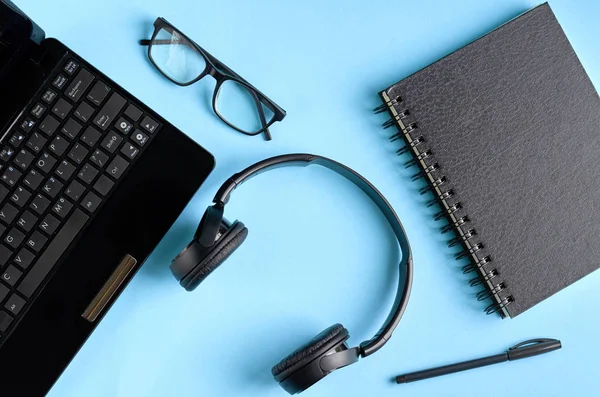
{"x": 11, "y": 275}
{"x": 37, "y": 241}
{"x": 50, "y": 257}
{"x": 14, "y": 238}
{"x": 24, "y": 258}
{"x": 109, "y": 111}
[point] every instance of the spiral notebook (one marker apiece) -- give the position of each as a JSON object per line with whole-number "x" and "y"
{"x": 506, "y": 132}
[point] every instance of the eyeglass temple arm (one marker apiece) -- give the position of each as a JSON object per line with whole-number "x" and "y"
{"x": 261, "y": 114}
{"x": 221, "y": 65}
{"x": 274, "y": 107}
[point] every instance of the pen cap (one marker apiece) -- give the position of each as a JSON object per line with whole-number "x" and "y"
{"x": 533, "y": 348}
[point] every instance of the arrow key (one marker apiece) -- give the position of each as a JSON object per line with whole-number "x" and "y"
{"x": 129, "y": 150}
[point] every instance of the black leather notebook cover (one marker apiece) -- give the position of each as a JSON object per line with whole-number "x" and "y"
{"x": 508, "y": 128}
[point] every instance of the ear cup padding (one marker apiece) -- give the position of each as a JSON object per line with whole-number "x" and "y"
{"x": 311, "y": 350}
{"x": 216, "y": 255}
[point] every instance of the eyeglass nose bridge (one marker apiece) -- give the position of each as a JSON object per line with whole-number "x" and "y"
{"x": 212, "y": 71}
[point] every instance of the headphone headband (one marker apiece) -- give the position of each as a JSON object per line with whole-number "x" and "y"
{"x": 406, "y": 266}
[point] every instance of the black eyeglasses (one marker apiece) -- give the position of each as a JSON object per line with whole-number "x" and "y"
{"x": 238, "y": 103}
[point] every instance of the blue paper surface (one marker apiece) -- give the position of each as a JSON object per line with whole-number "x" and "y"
{"x": 318, "y": 251}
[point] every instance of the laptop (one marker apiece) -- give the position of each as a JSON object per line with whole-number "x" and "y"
{"x": 91, "y": 179}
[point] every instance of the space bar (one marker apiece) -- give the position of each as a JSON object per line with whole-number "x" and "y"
{"x": 57, "y": 247}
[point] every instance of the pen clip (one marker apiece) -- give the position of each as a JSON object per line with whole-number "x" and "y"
{"x": 532, "y": 347}
{"x": 531, "y": 342}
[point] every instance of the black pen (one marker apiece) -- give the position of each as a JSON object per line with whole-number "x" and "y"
{"x": 525, "y": 349}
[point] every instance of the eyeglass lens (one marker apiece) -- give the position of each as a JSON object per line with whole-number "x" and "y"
{"x": 240, "y": 106}
{"x": 176, "y": 57}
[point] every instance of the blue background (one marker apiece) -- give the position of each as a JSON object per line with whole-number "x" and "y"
{"x": 317, "y": 252}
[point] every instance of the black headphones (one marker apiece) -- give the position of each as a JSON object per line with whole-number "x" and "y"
{"x": 216, "y": 239}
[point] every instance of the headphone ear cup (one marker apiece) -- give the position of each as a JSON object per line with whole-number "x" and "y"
{"x": 310, "y": 351}
{"x": 216, "y": 255}
{"x": 209, "y": 226}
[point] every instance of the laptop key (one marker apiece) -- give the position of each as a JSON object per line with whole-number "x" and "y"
{"x": 71, "y": 128}
{"x": 98, "y": 93}
{"x": 52, "y": 187}
{"x": 49, "y": 96}
{"x": 36, "y": 241}
{"x": 17, "y": 139}
{"x": 117, "y": 167}
{"x": 58, "y": 145}
{"x": 11, "y": 176}
{"x": 3, "y": 192}
{"x": 14, "y": 304}
{"x": 20, "y": 196}
{"x": 65, "y": 170}
{"x": 133, "y": 112}
{"x": 62, "y": 108}
{"x": 103, "y": 185}
{"x": 84, "y": 112}
{"x": 14, "y": 238}
{"x": 5, "y": 254}
{"x": 11, "y": 275}
{"x": 36, "y": 142}
{"x": 71, "y": 67}
{"x": 38, "y": 110}
{"x": 45, "y": 162}
{"x": 79, "y": 85}
{"x": 6, "y": 153}
{"x": 49, "y": 125}
{"x": 24, "y": 159}
{"x": 24, "y": 258}
{"x": 149, "y": 124}
{"x": 91, "y": 202}
{"x": 109, "y": 111}
{"x": 28, "y": 124}
{"x": 90, "y": 136}
{"x": 139, "y": 137}
{"x": 33, "y": 179}
{"x": 49, "y": 224}
{"x": 60, "y": 81}
{"x": 8, "y": 213}
{"x": 111, "y": 142}
{"x": 88, "y": 173}
{"x": 75, "y": 190}
{"x": 5, "y": 320}
{"x": 99, "y": 158}
{"x": 42, "y": 267}
{"x": 62, "y": 207}
{"x": 27, "y": 220}
{"x": 78, "y": 153}
{"x": 129, "y": 150}
{"x": 124, "y": 126}
{"x": 3, "y": 292}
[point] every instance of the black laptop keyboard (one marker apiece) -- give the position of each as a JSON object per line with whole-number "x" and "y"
{"x": 58, "y": 164}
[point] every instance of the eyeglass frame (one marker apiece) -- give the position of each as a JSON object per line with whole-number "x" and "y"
{"x": 221, "y": 73}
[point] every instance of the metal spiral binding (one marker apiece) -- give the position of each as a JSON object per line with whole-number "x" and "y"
{"x": 485, "y": 277}
{"x": 471, "y": 267}
{"x": 459, "y": 239}
{"x": 487, "y": 293}
{"x": 430, "y": 170}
